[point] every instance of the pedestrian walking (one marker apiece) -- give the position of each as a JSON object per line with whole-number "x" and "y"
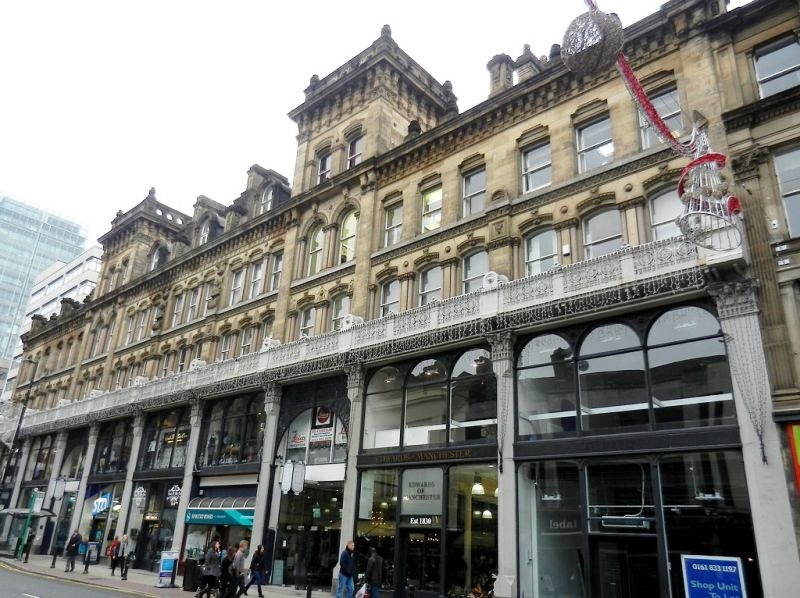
{"x": 227, "y": 579}
{"x": 239, "y": 567}
{"x": 258, "y": 570}
{"x": 211, "y": 572}
{"x": 374, "y": 573}
{"x": 111, "y": 553}
{"x": 347, "y": 571}
{"x": 71, "y": 551}
{"x": 122, "y": 556}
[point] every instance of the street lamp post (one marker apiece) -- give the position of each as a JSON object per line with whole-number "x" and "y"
{"x": 58, "y": 494}
{"x": 13, "y": 446}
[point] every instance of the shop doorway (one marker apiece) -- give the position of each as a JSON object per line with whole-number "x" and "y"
{"x": 153, "y": 538}
{"x": 624, "y": 566}
{"x": 421, "y": 562}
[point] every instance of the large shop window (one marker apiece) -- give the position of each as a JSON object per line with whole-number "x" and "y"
{"x": 611, "y": 382}
{"x": 431, "y": 525}
{"x": 165, "y": 438}
{"x": 40, "y": 460}
{"x": 113, "y": 447}
{"x": 605, "y": 542}
{"x": 233, "y": 430}
{"x": 316, "y": 437}
{"x": 432, "y": 402}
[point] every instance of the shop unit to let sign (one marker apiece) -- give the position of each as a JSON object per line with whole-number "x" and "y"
{"x": 713, "y": 576}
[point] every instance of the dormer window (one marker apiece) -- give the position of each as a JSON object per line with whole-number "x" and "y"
{"x": 265, "y": 203}
{"x": 324, "y": 168}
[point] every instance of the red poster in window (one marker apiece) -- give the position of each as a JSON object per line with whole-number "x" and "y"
{"x": 323, "y": 417}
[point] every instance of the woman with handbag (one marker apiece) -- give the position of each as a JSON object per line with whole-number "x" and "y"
{"x": 258, "y": 570}
{"x": 211, "y": 572}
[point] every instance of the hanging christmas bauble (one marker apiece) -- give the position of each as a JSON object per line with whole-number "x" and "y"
{"x": 592, "y": 43}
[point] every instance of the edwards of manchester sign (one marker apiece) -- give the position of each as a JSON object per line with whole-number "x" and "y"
{"x": 486, "y": 452}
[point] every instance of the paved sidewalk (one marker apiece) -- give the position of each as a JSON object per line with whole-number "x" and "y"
{"x": 140, "y": 583}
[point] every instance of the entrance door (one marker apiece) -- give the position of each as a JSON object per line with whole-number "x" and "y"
{"x": 420, "y": 563}
{"x": 624, "y": 567}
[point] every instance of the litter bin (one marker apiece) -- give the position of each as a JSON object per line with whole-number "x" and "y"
{"x": 191, "y": 575}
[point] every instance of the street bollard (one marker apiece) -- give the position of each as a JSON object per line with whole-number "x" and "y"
{"x": 55, "y": 558}
{"x": 309, "y": 579}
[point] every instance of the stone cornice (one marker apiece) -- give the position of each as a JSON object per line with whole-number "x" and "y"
{"x": 761, "y": 111}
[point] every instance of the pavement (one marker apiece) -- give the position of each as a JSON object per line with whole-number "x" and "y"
{"x": 139, "y": 582}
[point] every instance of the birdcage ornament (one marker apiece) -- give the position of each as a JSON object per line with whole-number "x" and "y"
{"x": 711, "y": 215}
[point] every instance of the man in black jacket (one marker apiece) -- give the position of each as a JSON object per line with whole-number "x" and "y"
{"x": 374, "y": 573}
{"x": 71, "y": 550}
{"x": 347, "y": 571}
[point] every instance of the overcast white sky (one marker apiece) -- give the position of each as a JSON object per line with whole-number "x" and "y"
{"x": 101, "y": 100}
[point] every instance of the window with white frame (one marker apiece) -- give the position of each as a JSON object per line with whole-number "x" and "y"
{"x": 595, "y": 144}
{"x": 256, "y": 279}
{"x": 209, "y": 298}
{"x": 119, "y": 377}
{"x": 778, "y": 66}
{"x": 307, "y": 320}
{"x": 537, "y": 167}
{"x": 277, "y": 268}
{"x": 123, "y": 273}
{"x": 237, "y": 282}
{"x": 166, "y": 358}
{"x": 246, "y": 345}
{"x": 141, "y": 324}
{"x": 226, "y": 346}
{"x": 541, "y": 252}
{"x": 430, "y": 285}
{"x": 602, "y": 234}
{"x": 184, "y": 356}
{"x": 131, "y": 329}
{"x": 390, "y": 298}
{"x": 266, "y": 330}
{"x": 340, "y": 307}
{"x": 347, "y": 237}
{"x": 194, "y": 302}
{"x": 393, "y": 224}
{"x": 355, "y": 149}
{"x": 205, "y": 232}
{"x": 667, "y": 104}
{"x": 197, "y": 351}
{"x": 664, "y": 211}
{"x": 324, "y": 167}
{"x": 316, "y": 241}
{"x": 265, "y": 201}
{"x": 177, "y": 310}
{"x": 787, "y": 167}
{"x": 474, "y": 192}
{"x": 431, "y": 209}
{"x": 474, "y": 266}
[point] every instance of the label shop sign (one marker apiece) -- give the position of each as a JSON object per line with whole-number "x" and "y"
{"x": 422, "y": 491}
{"x": 713, "y": 576}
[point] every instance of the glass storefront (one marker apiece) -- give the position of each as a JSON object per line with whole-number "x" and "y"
{"x": 233, "y": 432}
{"x": 593, "y": 527}
{"x": 228, "y": 519}
{"x": 153, "y": 512}
{"x": 101, "y": 512}
{"x": 435, "y": 527}
{"x": 113, "y": 447}
{"x": 165, "y": 439}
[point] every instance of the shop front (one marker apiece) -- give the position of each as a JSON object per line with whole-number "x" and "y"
{"x": 100, "y": 514}
{"x": 228, "y": 519}
{"x": 629, "y": 457}
{"x": 428, "y": 483}
{"x": 153, "y": 512}
{"x": 313, "y": 447}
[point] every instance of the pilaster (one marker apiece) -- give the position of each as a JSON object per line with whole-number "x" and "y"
{"x": 80, "y": 496}
{"x": 127, "y": 489}
{"x": 266, "y": 475}
{"x": 502, "y": 345}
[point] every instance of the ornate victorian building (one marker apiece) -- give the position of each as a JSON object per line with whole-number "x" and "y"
{"x": 475, "y": 341}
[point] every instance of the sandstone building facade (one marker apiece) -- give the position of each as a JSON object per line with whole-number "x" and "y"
{"x": 473, "y": 340}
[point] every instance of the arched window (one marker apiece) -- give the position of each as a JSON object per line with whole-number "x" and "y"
{"x": 324, "y": 167}
{"x": 450, "y": 400}
{"x": 664, "y": 210}
{"x": 308, "y": 318}
{"x": 430, "y": 285}
{"x": 165, "y": 438}
{"x": 123, "y": 273}
{"x": 40, "y": 459}
{"x": 72, "y": 466}
{"x": 316, "y": 436}
{"x": 602, "y": 234}
{"x": 232, "y": 432}
{"x": 355, "y": 149}
{"x": 347, "y": 237}
{"x": 316, "y": 242}
{"x": 205, "y": 232}
{"x": 340, "y": 307}
{"x": 390, "y": 298}
{"x": 541, "y": 252}
{"x": 474, "y": 266}
{"x": 113, "y": 447}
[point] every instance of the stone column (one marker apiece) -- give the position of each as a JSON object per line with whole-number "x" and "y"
{"x": 330, "y": 254}
{"x": 407, "y": 291}
{"x": 503, "y": 365}
{"x": 761, "y": 448}
{"x": 22, "y": 462}
{"x": 266, "y": 477}
{"x": 59, "y": 448}
{"x": 127, "y": 489}
{"x": 195, "y": 421}
{"x": 80, "y": 496}
{"x": 355, "y": 390}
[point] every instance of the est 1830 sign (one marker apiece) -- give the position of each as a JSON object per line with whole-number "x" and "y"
{"x": 713, "y": 576}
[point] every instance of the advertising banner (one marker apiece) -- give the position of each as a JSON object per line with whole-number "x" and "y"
{"x": 713, "y": 576}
